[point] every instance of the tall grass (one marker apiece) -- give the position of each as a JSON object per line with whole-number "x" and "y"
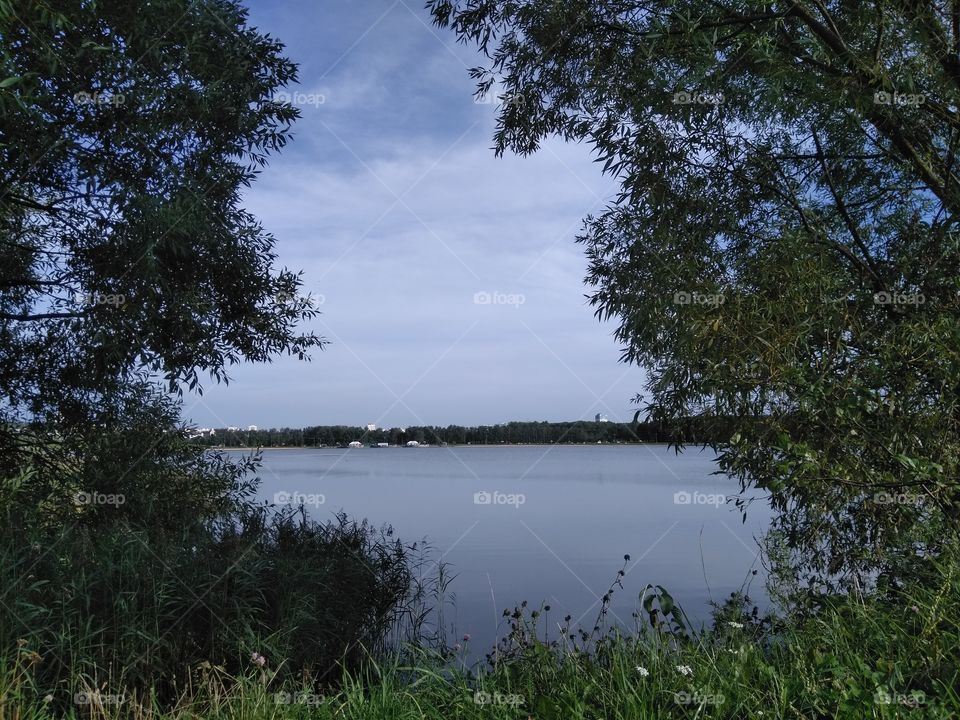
{"x": 118, "y": 606}
{"x": 884, "y": 655}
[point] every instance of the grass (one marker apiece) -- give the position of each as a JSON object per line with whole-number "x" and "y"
{"x": 118, "y": 606}
{"x": 891, "y": 656}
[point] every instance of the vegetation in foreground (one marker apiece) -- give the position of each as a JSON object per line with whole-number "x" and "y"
{"x": 890, "y": 655}
{"x": 793, "y": 167}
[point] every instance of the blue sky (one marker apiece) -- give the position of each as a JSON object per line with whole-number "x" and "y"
{"x": 451, "y": 286}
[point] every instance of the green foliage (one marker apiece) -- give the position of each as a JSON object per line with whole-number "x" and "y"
{"x": 128, "y": 132}
{"x": 784, "y": 251}
{"x": 128, "y": 555}
{"x": 135, "y": 607}
{"x": 875, "y": 657}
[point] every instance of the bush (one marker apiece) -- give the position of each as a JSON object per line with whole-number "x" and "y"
{"x": 124, "y": 607}
{"x": 128, "y": 557}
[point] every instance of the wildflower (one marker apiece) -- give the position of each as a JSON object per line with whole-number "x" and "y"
{"x": 733, "y": 624}
{"x": 48, "y": 698}
{"x": 684, "y": 670}
{"x": 258, "y": 659}
{"x": 457, "y": 647}
{"x": 32, "y": 657}
{"x": 466, "y": 638}
{"x": 915, "y": 608}
{"x": 643, "y": 671}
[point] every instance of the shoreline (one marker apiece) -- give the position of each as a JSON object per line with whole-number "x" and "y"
{"x": 448, "y": 445}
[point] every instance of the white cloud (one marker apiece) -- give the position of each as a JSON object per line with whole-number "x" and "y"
{"x": 399, "y": 276}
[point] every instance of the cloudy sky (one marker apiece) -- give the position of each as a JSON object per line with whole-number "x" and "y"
{"x": 451, "y": 286}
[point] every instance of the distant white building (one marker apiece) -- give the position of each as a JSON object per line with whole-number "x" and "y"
{"x": 371, "y": 427}
{"x": 252, "y": 427}
{"x": 413, "y": 443}
{"x": 232, "y": 429}
{"x": 356, "y": 444}
{"x": 601, "y": 418}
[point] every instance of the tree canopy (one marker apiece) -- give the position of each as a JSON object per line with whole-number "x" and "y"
{"x": 784, "y": 248}
{"x": 128, "y": 134}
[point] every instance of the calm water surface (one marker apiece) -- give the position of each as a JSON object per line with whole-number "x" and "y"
{"x": 543, "y": 523}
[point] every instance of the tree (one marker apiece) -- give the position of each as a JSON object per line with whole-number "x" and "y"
{"x": 127, "y": 134}
{"x": 783, "y": 254}
{"x": 128, "y": 131}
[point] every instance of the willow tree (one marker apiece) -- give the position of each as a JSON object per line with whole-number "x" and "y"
{"x": 783, "y": 254}
{"x": 128, "y": 132}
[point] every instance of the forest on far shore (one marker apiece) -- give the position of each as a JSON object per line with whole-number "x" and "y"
{"x": 517, "y": 432}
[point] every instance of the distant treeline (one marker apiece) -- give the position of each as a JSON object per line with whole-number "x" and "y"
{"x": 509, "y": 433}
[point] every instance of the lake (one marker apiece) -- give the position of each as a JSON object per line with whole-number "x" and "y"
{"x": 546, "y": 524}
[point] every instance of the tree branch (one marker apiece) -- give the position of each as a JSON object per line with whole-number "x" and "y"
{"x": 40, "y": 316}
{"x": 847, "y": 219}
